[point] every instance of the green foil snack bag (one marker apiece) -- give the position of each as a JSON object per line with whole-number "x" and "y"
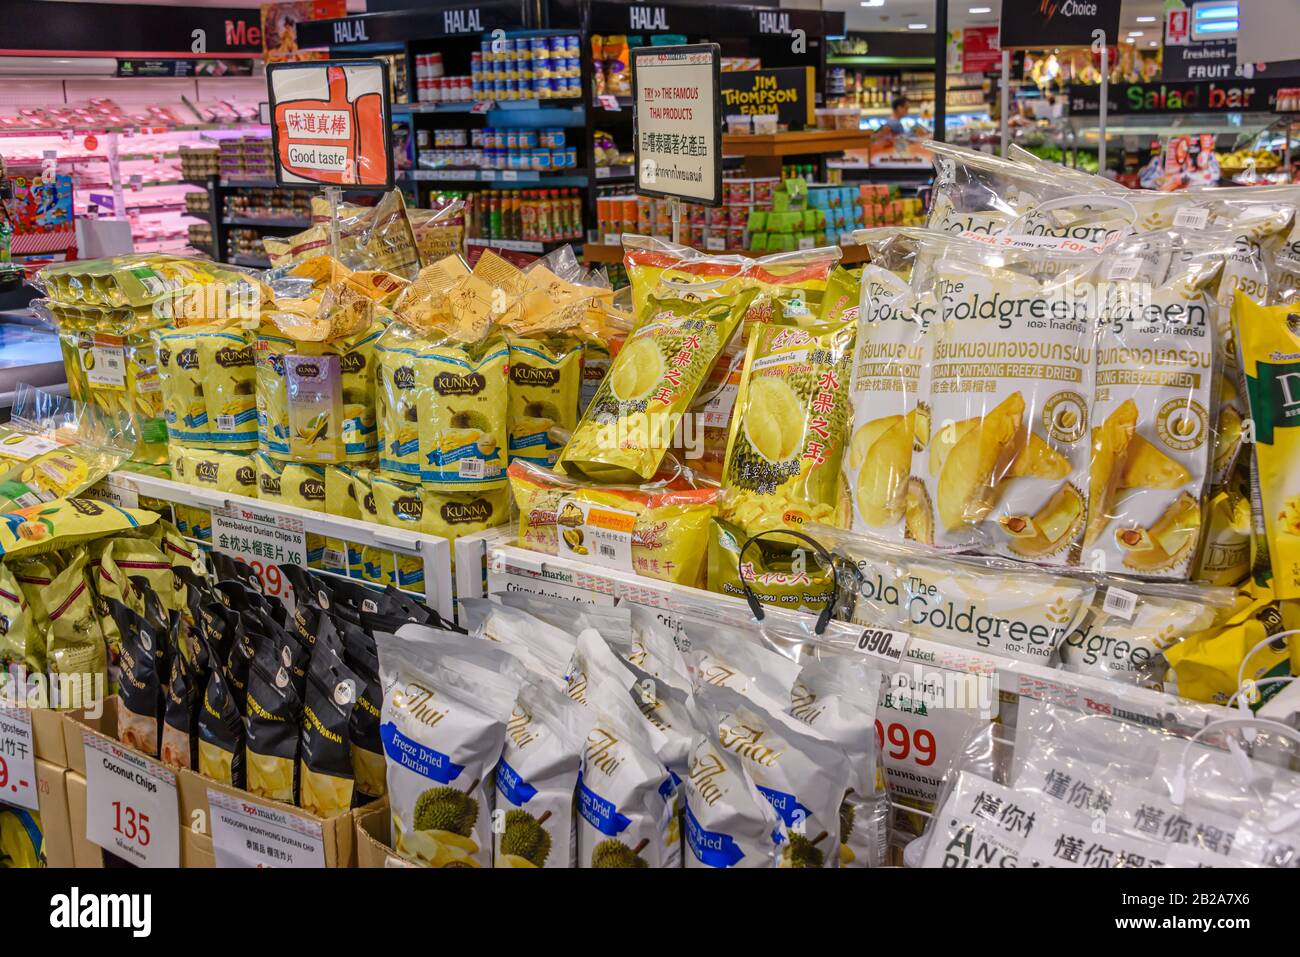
{"x": 629, "y": 424}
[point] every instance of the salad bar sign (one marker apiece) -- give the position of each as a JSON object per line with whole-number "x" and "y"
{"x": 1228, "y": 96}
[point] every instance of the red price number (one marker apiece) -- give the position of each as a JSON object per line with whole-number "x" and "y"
{"x": 130, "y": 823}
{"x": 273, "y": 581}
{"x": 4, "y": 772}
{"x": 905, "y": 743}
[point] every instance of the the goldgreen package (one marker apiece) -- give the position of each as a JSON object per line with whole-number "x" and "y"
{"x": 1269, "y": 340}
{"x": 629, "y": 425}
{"x": 790, "y": 427}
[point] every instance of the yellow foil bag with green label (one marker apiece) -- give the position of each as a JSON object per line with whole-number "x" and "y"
{"x": 230, "y": 472}
{"x": 629, "y": 425}
{"x": 790, "y": 427}
{"x": 1269, "y": 340}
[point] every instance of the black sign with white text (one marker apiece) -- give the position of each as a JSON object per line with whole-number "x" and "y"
{"x": 1058, "y": 23}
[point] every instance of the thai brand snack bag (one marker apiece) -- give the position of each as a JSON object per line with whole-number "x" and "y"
{"x": 837, "y": 697}
{"x": 802, "y": 774}
{"x": 1129, "y": 627}
{"x": 74, "y": 644}
{"x": 1224, "y": 558}
{"x": 789, "y": 286}
{"x": 363, "y": 730}
{"x": 729, "y": 823}
{"x": 443, "y": 728}
{"x": 376, "y": 564}
{"x": 1270, "y": 351}
{"x": 790, "y": 427}
{"x": 546, "y": 649}
{"x": 53, "y": 447}
{"x": 536, "y": 777}
{"x": 1153, "y": 412}
{"x": 732, "y": 658}
{"x": 775, "y": 567}
{"x": 650, "y": 261}
{"x": 628, "y": 427}
{"x": 624, "y": 791}
{"x": 982, "y": 193}
{"x": 1010, "y": 368}
{"x": 316, "y": 374}
{"x": 656, "y": 531}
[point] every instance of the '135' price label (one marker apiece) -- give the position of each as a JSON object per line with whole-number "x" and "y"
{"x": 131, "y": 807}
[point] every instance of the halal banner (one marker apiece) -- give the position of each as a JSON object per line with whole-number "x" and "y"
{"x": 1037, "y": 24}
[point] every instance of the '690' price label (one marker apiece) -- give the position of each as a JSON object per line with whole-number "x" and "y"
{"x": 883, "y": 643}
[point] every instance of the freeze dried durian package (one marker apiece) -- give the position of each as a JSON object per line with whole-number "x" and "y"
{"x": 1152, "y": 426}
{"x": 628, "y": 427}
{"x": 891, "y": 412}
{"x": 790, "y": 427}
{"x": 1010, "y": 390}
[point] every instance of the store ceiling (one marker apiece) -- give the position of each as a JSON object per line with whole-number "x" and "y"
{"x": 897, "y": 14}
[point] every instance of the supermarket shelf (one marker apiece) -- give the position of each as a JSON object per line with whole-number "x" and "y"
{"x": 253, "y": 262}
{"x": 800, "y": 143}
{"x": 624, "y": 103}
{"x": 921, "y": 172}
{"x": 615, "y": 172}
{"x": 247, "y": 183}
{"x": 521, "y": 176}
{"x": 490, "y": 106}
{"x": 268, "y": 221}
{"x": 525, "y": 245}
{"x": 606, "y": 253}
{"x": 511, "y": 568}
{"x": 435, "y": 551}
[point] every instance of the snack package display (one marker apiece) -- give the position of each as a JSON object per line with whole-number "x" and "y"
{"x": 208, "y": 386}
{"x": 316, "y": 374}
{"x": 231, "y": 472}
{"x": 790, "y": 427}
{"x": 1269, "y": 339}
{"x": 53, "y": 447}
{"x": 659, "y": 531}
{"x": 628, "y": 427}
{"x": 443, "y": 728}
{"x": 1153, "y": 417}
{"x": 536, "y": 778}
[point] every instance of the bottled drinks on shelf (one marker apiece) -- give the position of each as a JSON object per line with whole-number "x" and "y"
{"x": 537, "y": 215}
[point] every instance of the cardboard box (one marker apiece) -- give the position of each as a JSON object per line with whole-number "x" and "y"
{"x": 374, "y": 826}
{"x": 73, "y": 723}
{"x": 196, "y": 849}
{"x": 56, "y": 827}
{"x": 84, "y": 853}
{"x": 338, "y": 839}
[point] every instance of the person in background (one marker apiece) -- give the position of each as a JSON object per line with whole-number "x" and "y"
{"x": 899, "y": 110}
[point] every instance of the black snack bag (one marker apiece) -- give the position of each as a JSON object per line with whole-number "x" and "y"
{"x": 411, "y": 609}
{"x": 139, "y": 690}
{"x": 238, "y": 661}
{"x": 274, "y": 711}
{"x": 180, "y": 719}
{"x": 290, "y": 652}
{"x": 363, "y": 730}
{"x": 228, "y": 568}
{"x": 325, "y": 779}
{"x": 158, "y": 618}
{"x": 221, "y": 733}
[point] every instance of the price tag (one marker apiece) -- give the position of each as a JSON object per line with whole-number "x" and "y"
{"x": 807, "y": 242}
{"x": 116, "y": 490}
{"x": 716, "y": 243}
{"x": 883, "y": 644}
{"x": 608, "y": 101}
{"x": 26, "y": 447}
{"x": 131, "y": 807}
{"x": 246, "y": 833}
{"x": 613, "y": 239}
{"x": 17, "y": 759}
{"x": 1192, "y": 218}
{"x": 595, "y": 533}
{"x": 483, "y": 106}
{"x": 509, "y": 175}
{"x": 104, "y": 361}
{"x": 1120, "y": 603}
{"x": 263, "y": 540}
{"x": 1124, "y": 269}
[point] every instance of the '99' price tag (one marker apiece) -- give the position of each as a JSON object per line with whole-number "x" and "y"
{"x": 131, "y": 805}
{"x": 17, "y": 759}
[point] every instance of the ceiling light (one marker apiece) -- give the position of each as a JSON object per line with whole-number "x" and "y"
{"x": 1137, "y": 33}
{"x": 1146, "y": 19}
{"x": 918, "y": 26}
{"x": 981, "y": 9}
{"x": 1152, "y": 43}
{"x": 873, "y": 3}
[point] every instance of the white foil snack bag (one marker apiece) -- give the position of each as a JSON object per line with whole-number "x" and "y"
{"x": 728, "y": 822}
{"x": 733, "y": 658}
{"x": 535, "y": 821}
{"x": 442, "y": 724}
{"x": 802, "y": 774}
{"x": 837, "y": 697}
{"x": 1010, "y": 372}
{"x": 1153, "y": 415}
{"x": 891, "y": 418}
{"x": 625, "y": 794}
{"x": 980, "y": 824}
